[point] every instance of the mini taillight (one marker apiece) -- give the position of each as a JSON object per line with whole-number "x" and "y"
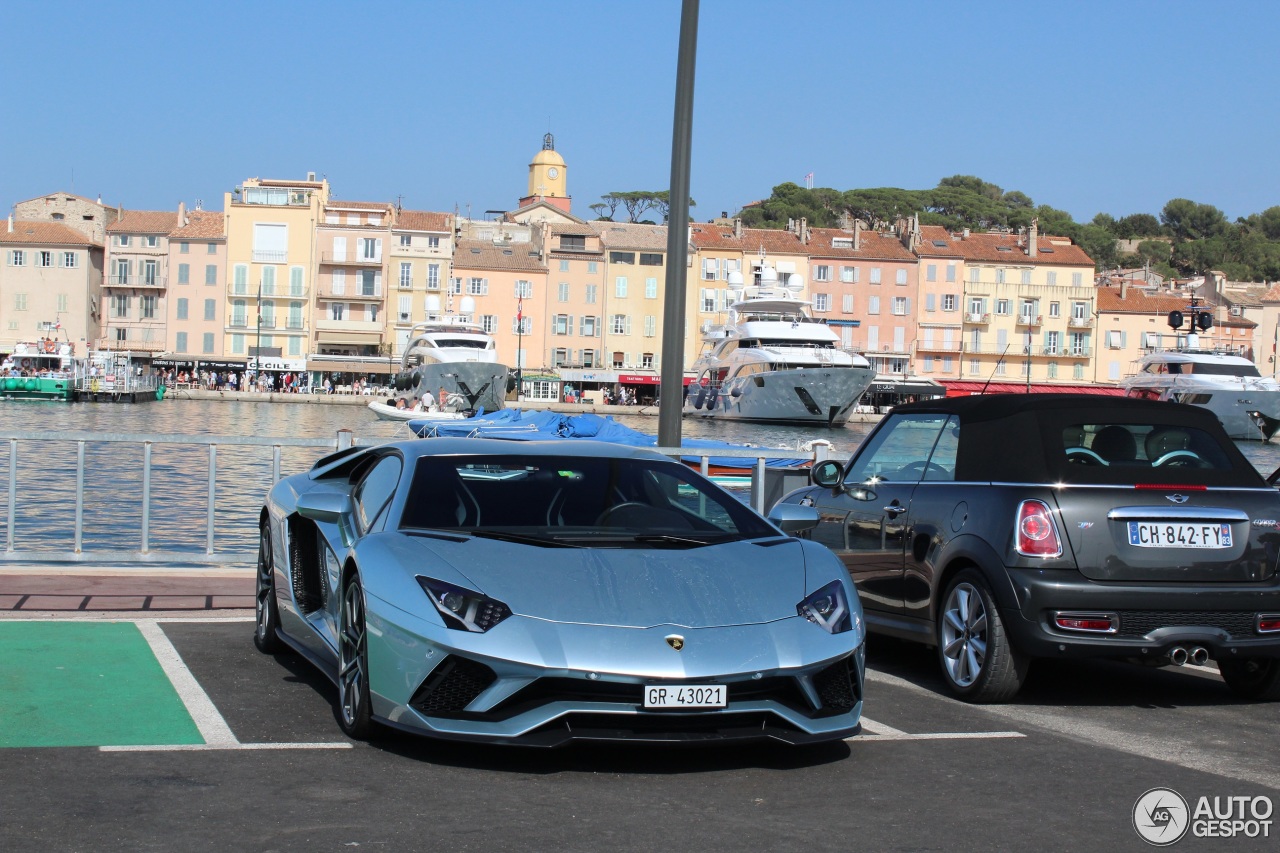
{"x": 1037, "y": 536}
{"x": 1097, "y": 623}
{"x": 1268, "y": 623}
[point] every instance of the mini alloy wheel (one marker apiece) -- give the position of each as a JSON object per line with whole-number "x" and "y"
{"x": 1252, "y": 678}
{"x": 267, "y": 621}
{"x": 353, "y": 663}
{"x": 977, "y": 661}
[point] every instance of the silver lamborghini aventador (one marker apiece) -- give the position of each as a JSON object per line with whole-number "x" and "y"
{"x": 539, "y": 593}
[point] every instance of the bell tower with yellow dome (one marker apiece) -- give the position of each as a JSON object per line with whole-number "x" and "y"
{"x": 547, "y": 179}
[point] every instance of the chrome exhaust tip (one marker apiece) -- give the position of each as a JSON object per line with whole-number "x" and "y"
{"x": 1178, "y": 657}
{"x": 1199, "y": 656}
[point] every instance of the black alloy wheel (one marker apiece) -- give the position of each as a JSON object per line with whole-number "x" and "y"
{"x": 1252, "y": 678}
{"x": 267, "y": 622}
{"x": 353, "y": 664}
{"x": 978, "y": 663}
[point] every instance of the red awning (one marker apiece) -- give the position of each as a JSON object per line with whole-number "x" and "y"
{"x": 964, "y": 388}
{"x": 645, "y": 379}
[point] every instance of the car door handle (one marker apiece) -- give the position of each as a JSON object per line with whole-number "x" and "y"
{"x": 895, "y": 510}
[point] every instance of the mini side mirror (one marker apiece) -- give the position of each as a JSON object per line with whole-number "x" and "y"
{"x": 828, "y": 474}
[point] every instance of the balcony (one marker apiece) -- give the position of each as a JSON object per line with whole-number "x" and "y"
{"x": 972, "y": 317}
{"x": 1080, "y": 322}
{"x": 140, "y": 280}
{"x": 1030, "y": 320}
{"x": 327, "y": 324}
{"x": 936, "y": 346}
{"x": 353, "y": 259}
{"x": 270, "y": 256}
{"x": 272, "y": 291}
{"x": 327, "y": 292}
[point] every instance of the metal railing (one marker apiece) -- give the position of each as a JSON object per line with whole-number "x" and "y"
{"x": 242, "y": 549}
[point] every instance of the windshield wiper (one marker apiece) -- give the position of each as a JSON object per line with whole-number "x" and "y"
{"x": 522, "y": 539}
{"x": 710, "y": 539}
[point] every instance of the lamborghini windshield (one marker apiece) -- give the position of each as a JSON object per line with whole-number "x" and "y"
{"x": 566, "y": 498}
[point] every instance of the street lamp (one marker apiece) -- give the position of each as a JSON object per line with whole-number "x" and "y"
{"x": 257, "y": 350}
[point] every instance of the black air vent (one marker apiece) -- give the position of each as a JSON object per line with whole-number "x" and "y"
{"x": 451, "y": 687}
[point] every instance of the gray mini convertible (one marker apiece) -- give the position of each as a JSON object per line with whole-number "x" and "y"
{"x": 1005, "y": 528}
{"x": 539, "y": 593}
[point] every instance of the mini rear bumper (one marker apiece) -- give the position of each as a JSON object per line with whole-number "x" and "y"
{"x": 1151, "y": 619}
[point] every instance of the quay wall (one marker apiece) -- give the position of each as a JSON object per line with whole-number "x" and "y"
{"x": 359, "y": 400}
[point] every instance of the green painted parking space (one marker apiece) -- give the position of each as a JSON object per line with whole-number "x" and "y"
{"x": 86, "y": 684}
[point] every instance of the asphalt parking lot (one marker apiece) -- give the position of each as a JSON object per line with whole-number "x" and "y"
{"x": 249, "y": 757}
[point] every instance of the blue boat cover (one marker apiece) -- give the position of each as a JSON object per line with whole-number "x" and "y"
{"x": 543, "y": 425}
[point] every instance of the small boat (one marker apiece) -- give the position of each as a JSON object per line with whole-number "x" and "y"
{"x": 454, "y": 357}
{"x": 773, "y": 362}
{"x": 40, "y": 370}
{"x": 1229, "y": 385}
{"x": 386, "y": 412}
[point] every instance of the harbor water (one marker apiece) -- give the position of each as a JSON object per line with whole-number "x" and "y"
{"x": 46, "y": 469}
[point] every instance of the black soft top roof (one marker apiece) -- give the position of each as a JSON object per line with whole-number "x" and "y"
{"x": 1019, "y": 437}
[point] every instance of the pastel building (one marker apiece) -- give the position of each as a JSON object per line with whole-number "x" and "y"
{"x": 578, "y": 298}
{"x": 137, "y": 279}
{"x": 636, "y": 265}
{"x": 350, "y": 315}
{"x": 939, "y": 311}
{"x": 1029, "y": 306}
{"x": 1133, "y": 321}
{"x": 272, "y": 253}
{"x": 502, "y": 285}
{"x": 865, "y": 285}
{"x": 419, "y": 259}
{"x": 50, "y": 284}
{"x": 197, "y": 294}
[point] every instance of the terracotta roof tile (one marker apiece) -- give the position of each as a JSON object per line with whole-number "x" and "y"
{"x": 358, "y": 205}
{"x": 1140, "y": 301}
{"x": 144, "y": 222}
{"x": 937, "y": 242}
{"x": 31, "y": 232}
{"x": 1272, "y": 295}
{"x": 871, "y": 244}
{"x": 632, "y": 235}
{"x": 989, "y": 247}
{"x": 573, "y": 228}
{"x": 201, "y": 224}
{"x": 484, "y": 255}
{"x": 423, "y": 220}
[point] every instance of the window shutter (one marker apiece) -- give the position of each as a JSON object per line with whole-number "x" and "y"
{"x": 377, "y": 249}
{"x": 1124, "y": 339}
{"x": 627, "y": 324}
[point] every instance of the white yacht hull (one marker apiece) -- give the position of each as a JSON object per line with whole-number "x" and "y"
{"x": 1248, "y": 407}
{"x": 817, "y": 395}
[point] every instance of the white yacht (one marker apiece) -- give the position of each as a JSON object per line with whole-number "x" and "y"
{"x": 1230, "y": 386}
{"x": 772, "y": 361}
{"x": 454, "y": 358}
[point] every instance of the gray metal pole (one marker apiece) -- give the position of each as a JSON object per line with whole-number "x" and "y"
{"x": 673, "y": 313}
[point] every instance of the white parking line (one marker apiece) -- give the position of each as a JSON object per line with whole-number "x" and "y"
{"x": 873, "y": 732}
{"x": 221, "y": 747}
{"x": 213, "y": 728}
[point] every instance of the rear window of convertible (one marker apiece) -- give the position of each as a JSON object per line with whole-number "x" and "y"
{"x": 1105, "y": 452}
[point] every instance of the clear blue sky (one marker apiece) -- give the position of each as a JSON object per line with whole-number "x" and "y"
{"x": 1086, "y": 106}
